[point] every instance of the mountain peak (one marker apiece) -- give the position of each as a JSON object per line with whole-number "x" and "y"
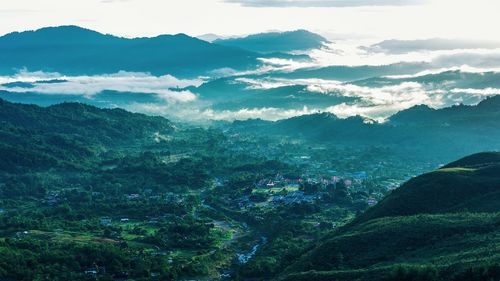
{"x": 74, "y": 50}
{"x": 270, "y": 42}
{"x": 490, "y": 103}
{"x": 57, "y": 30}
{"x": 66, "y": 34}
{"x": 413, "y": 114}
{"x": 478, "y": 159}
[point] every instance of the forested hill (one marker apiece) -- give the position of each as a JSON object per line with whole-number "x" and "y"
{"x": 471, "y": 184}
{"x": 320, "y": 125}
{"x": 74, "y": 50}
{"x": 487, "y": 111}
{"x": 34, "y": 136}
{"x": 443, "y": 225}
{"x": 433, "y": 134}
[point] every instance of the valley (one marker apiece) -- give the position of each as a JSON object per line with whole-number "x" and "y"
{"x": 249, "y": 140}
{"x": 173, "y": 201}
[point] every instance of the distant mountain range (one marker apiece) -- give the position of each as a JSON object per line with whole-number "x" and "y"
{"x": 271, "y": 42}
{"x": 431, "y": 134}
{"x": 439, "y": 226}
{"x": 73, "y": 50}
{"x": 434, "y": 44}
{"x": 230, "y": 94}
{"x": 446, "y": 80}
{"x": 352, "y": 73}
{"x": 211, "y": 37}
{"x": 486, "y": 112}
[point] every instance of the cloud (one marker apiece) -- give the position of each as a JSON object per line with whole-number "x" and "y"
{"x": 200, "y": 114}
{"x": 478, "y": 92}
{"x": 373, "y": 102}
{"x": 345, "y": 53}
{"x": 221, "y": 72}
{"x": 401, "y": 93}
{"x": 89, "y": 86}
{"x": 266, "y": 113}
{"x": 434, "y": 44}
{"x": 462, "y": 69}
{"x": 432, "y": 98}
{"x": 480, "y": 59}
{"x": 376, "y": 102}
{"x": 381, "y": 102}
{"x": 266, "y": 84}
{"x": 379, "y": 112}
{"x": 324, "y": 3}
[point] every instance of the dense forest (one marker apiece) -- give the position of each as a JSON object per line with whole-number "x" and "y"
{"x": 104, "y": 194}
{"x": 90, "y": 193}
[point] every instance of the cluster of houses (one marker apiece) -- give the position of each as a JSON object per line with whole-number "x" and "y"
{"x": 294, "y": 197}
{"x": 284, "y": 191}
{"x": 148, "y": 194}
{"x": 132, "y": 197}
{"x": 371, "y": 201}
{"x": 277, "y": 181}
{"x": 52, "y": 198}
{"x": 349, "y": 180}
{"x": 95, "y": 270}
{"x": 106, "y": 221}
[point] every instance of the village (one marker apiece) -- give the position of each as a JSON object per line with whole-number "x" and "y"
{"x": 265, "y": 187}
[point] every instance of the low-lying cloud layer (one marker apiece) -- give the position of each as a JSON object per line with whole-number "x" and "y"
{"x": 433, "y": 85}
{"x": 434, "y": 44}
{"x": 88, "y": 86}
{"x": 349, "y": 54}
{"x": 202, "y": 114}
{"x": 380, "y": 102}
{"x": 377, "y": 103}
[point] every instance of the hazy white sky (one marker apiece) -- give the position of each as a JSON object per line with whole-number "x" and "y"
{"x": 379, "y": 19}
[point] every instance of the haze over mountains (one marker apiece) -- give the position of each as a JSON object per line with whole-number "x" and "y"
{"x": 270, "y": 75}
{"x": 442, "y": 225}
{"x": 73, "y": 50}
{"x": 300, "y": 40}
{"x": 425, "y": 133}
{"x": 285, "y": 156}
{"x": 434, "y": 44}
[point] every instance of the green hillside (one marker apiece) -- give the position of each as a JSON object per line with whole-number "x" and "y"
{"x": 444, "y": 225}
{"x": 471, "y": 184}
{"x": 437, "y": 135}
{"x": 68, "y": 134}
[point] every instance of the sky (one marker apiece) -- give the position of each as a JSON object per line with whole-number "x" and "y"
{"x": 336, "y": 19}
